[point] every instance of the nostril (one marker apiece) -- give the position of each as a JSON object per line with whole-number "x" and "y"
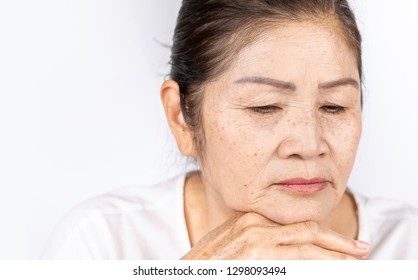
{"x": 296, "y": 156}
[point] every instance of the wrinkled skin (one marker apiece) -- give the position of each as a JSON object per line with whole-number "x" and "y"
{"x": 258, "y": 132}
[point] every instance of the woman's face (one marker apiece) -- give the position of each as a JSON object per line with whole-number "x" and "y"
{"x": 287, "y": 109}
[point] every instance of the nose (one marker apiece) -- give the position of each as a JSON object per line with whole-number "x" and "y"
{"x": 303, "y": 138}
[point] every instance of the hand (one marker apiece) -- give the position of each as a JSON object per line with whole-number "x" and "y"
{"x": 252, "y": 236}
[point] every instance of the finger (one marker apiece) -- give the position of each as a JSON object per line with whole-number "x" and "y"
{"x": 310, "y": 252}
{"x": 250, "y": 219}
{"x": 312, "y": 232}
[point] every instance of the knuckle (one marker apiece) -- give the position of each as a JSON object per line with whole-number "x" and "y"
{"x": 247, "y": 219}
{"x": 251, "y": 216}
{"x": 351, "y": 243}
{"x": 249, "y": 232}
{"x": 248, "y": 228}
{"x": 313, "y": 227}
{"x": 241, "y": 224}
{"x": 302, "y": 251}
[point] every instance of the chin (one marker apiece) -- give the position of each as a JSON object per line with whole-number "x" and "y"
{"x": 298, "y": 213}
{"x": 290, "y": 208}
{"x": 286, "y": 220}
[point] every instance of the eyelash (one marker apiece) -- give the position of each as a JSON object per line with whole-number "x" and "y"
{"x": 333, "y": 109}
{"x": 264, "y": 110}
{"x": 269, "y": 109}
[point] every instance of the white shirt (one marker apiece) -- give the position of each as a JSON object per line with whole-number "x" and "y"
{"x": 147, "y": 222}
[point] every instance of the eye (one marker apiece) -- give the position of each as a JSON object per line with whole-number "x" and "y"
{"x": 333, "y": 109}
{"x": 269, "y": 109}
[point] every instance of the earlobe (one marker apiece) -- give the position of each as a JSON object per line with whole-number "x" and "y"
{"x": 170, "y": 98}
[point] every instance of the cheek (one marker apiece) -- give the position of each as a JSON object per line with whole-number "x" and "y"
{"x": 236, "y": 156}
{"x": 343, "y": 139}
{"x": 231, "y": 139}
{"x": 229, "y": 149}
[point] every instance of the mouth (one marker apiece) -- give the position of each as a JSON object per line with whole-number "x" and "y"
{"x": 302, "y": 185}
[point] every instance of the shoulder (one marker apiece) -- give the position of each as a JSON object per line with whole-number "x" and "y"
{"x": 386, "y": 209}
{"x": 125, "y": 200}
{"x": 111, "y": 225}
{"x": 133, "y": 198}
{"x": 390, "y": 226}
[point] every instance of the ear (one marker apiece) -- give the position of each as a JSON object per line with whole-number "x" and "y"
{"x": 170, "y": 98}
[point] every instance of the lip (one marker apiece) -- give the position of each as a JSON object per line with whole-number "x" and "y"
{"x": 302, "y": 185}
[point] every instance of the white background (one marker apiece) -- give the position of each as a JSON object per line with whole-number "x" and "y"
{"x": 80, "y": 112}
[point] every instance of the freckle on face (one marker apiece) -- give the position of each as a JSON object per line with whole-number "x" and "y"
{"x": 244, "y": 149}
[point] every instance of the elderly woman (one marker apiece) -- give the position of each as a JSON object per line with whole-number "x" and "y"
{"x": 266, "y": 96}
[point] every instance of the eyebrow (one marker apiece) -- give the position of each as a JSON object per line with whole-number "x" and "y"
{"x": 340, "y": 83}
{"x": 292, "y": 87}
{"x": 268, "y": 81}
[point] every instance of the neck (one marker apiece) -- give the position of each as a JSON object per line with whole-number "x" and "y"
{"x": 343, "y": 219}
{"x": 203, "y": 207}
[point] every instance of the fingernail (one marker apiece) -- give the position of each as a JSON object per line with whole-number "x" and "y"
{"x": 362, "y": 245}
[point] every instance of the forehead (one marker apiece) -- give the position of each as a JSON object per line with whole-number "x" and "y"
{"x": 317, "y": 50}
